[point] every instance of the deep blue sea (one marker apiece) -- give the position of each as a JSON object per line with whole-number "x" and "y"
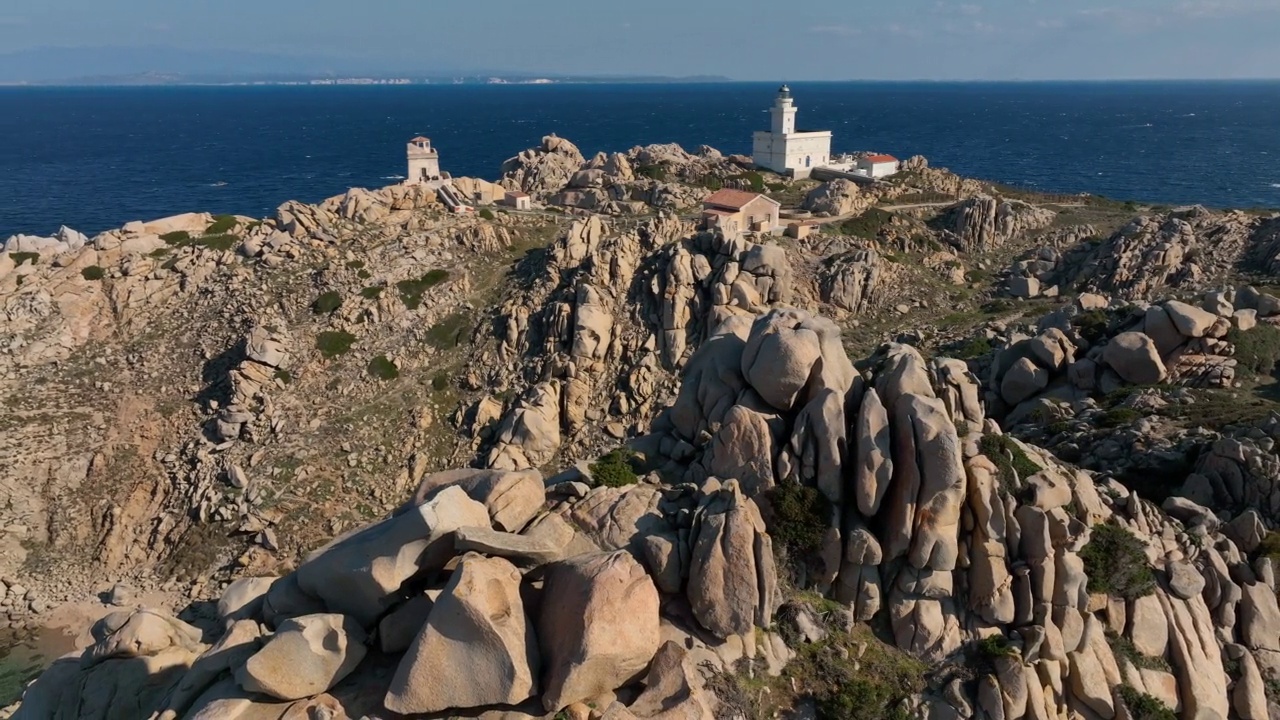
{"x": 96, "y": 158}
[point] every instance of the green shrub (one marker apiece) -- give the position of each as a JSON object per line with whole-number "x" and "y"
{"x": 1124, "y": 649}
{"x": 447, "y": 334}
{"x": 995, "y": 646}
{"x": 755, "y": 180}
{"x": 1009, "y": 459}
{"x": 440, "y": 381}
{"x": 284, "y": 376}
{"x": 1059, "y": 427}
{"x": 383, "y": 369}
{"x": 1092, "y": 325}
{"x": 411, "y": 290}
{"x": 364, "y": 274}
{"x": 93, "y": 272}
{"x": 1116, "y": 562}
{"x": 355, "y": 264}
{"x": 653, "y": 172}
{"x": 220, "y": 242}
{"x": 373, "y": 292}
{"x": 22, "y": 257}
{"x": 1257, "y": 350}
{"x": 1143, "y": 706}
{"x": 867, "y": 225}
{"x": 221, "y": 225}
{"x": 333, "y": 343}
{"x": 486, "y": 214}
{"x": 974, "y": 347}
{"x": 327, "y": 303}
{"x": 1270, "y": 546}
{"x": 614, "y": 469}
{"x": 177, "y": 238}
{"x": 1118, "y": 417}
{"x": 800, "y": 518}
{"x": 160, "y": 252}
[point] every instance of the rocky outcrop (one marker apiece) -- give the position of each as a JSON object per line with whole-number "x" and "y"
{"x": 986, "y": 223}
{"x": 544, "y": 169}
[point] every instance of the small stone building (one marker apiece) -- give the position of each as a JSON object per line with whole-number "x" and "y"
{"x": 734, "y": 211}
{"x": 802, "y": 229}
{"x": 878, "y": 166}
{"x": 424, "y": 162}
{"x": 518, "y": 200}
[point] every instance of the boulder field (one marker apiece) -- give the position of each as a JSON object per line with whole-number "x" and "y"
{"x": 504, "y": 594}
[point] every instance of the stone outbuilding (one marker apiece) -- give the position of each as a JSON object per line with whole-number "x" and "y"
{"x": 518, "y": 200}
{"x": 735, "y": 211}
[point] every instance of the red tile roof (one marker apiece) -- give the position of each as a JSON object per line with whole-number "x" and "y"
{"x": 419, "y": 139}
{"x": 732, "y": 199}
{"x": 881, "y": 159}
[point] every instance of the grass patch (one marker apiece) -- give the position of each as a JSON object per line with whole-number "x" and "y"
{"x": 843, "y": 681}
{"x": 1119, "y": 417}
{"x": 1270, "y": 547}
{"x": 615, "y": 468}
{"x": 1257, "y": 350}
{"x": 220, "y": 242}
{"x": 755, "y": 180}
{"x": 411, "y": 290}
{"x": 447, "y": 334}
{"x": 1009, "y": 459}
{"x": 333, "y": 343}
{"x": 284, "y": 376}
{"x": 327, "y": 303}
{"x": 355, "y": 264}
{"x": 177, "y": 238}
{"x": 221, "y": 225}
{"x": 364, "y": 274}
{"x": 653, "y": 172}
{"x": 383, "y": 369}
{"x": 973, "y": 348}
{"x": 93, "y": 272}
{"x": 373, "y": 292}
{"x": 867, "y": 225}
{"x": 159, "y": 253}
{"x": 799, "y": 518}
{"x": 1116, "y": 562}
{"x": 487, "y": 214}
{"x": 1123, "y": 649}
{"x": 1092, "y": 325}
{"x": 1142, "y": 706}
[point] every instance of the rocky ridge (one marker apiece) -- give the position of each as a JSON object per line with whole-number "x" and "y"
{"x": 641, "y": 332}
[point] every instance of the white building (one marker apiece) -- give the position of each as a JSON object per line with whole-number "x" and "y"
{"x": 424, "y": 162}
{"x": 783, "y": 149}
{"x": 878, "y": 166}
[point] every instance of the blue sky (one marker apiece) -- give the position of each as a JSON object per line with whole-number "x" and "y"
{"x": 741, "y": 39}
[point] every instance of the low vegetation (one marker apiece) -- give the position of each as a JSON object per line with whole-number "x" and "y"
{"x": 1270, "y": 547}
{"x": 1011, "y": 462}
{"x": 411, "y": 290}
{"x": 19, "y": 258}
{"x": 373, "y": 292}
{"x": 1257, "y": 350}
{"x": 177, "y": 238}
{"x": 1123, "y": 649}
{"x": 221, "y": 225}
{"x": 614, "y": 469}
{"x": 221, "y": 242}
{"x": 1116, "y": 562}
{"x": 383, "y": 369}
{"x": 327, "y": 303}
{"x": 653, "y": 172}
{"x": 848, "y": 676}
{"x": 1142, "y": 706}
{"x": 333, "y": 343}
{"x": 486, "y": 214}
{"x": 1092, "y": 325}
{"x": 448, "y": 333}
{"x": 975, "y": 347}
{"x": 800, "y": 518}
{"x": 1119, "y": 417}
{"x": 867, "y": 225}
{"x": 93, "y": 272}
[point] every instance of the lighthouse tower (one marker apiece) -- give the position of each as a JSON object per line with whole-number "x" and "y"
{"x": 785, "y": 150}
{"x": 424, "y": 162}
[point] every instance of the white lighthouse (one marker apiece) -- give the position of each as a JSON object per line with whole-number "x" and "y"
{"x": 783, "y": 149}
{"x": 424, "y": 162}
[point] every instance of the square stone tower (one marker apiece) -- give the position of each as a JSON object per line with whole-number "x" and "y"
{"x": 424, "y": 162}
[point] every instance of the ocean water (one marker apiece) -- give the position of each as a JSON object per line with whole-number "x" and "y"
{"x": 96, "y": 158}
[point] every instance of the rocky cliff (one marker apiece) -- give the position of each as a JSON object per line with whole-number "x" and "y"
{"x": 369, "y": 459}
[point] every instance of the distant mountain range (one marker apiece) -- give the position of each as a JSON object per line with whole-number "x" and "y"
{"x": 175, "y": 66}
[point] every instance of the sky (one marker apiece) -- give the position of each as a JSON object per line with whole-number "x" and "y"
{"x": 741, "y": 39}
